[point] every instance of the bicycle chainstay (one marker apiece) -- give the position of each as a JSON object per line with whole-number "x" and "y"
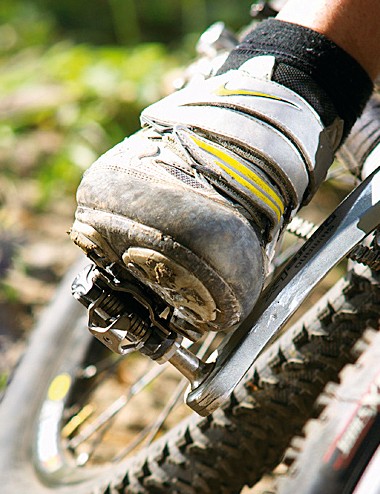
{"x": 126, "y": 316}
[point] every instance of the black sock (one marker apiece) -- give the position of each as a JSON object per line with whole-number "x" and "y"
{"x": 311, "y": 65}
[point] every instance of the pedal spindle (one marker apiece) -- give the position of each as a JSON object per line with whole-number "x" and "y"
{"x": 123, "y": 325}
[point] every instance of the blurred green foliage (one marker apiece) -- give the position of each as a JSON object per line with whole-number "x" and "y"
{"x": 75, "y": 75}
{"x": 131, "y": 21}
{"x": 66, "y": 104}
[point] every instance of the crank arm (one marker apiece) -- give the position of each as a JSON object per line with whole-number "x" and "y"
{"x": 349, "y": 224}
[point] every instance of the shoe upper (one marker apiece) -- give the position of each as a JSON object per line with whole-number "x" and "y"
{"x": 257, "y": 137}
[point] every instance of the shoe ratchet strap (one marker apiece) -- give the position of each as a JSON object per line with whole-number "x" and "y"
{"x": 259, "y": 137}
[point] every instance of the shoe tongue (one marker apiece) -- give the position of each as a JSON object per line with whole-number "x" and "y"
{"x": 261, "y": 67}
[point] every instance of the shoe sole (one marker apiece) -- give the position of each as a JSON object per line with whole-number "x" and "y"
{"x": 187, "y": 291}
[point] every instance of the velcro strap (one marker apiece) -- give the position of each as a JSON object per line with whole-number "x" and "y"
{"x": 223, "y": 165}
{"x": 256, "y": 115}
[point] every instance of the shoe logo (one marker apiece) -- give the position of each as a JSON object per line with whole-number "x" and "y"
{"x": 225, "y": 91}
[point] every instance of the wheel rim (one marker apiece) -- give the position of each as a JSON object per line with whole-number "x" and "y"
{"x": 98, "y": 413}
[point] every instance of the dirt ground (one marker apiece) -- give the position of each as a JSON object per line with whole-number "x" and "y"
{"x": 35, "y": 252}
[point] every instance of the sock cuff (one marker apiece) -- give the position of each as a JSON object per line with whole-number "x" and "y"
{"x": 338, "y": 75}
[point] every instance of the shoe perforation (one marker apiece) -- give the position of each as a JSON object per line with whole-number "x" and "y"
{"x": 183, "y": 176}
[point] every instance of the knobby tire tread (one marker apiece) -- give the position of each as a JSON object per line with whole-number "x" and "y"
{"x": 248, "y": 437}
{"x": 237, "y": 444}
{"x": 310, "y": 470}
{"x": 363, "y": 138}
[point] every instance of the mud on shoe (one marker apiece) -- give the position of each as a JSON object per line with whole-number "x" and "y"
{"x": 194, "y": 203}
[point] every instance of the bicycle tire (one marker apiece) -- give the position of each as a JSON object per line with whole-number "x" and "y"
{"x": 220, "y": 453}
{"x": 333, "y": 457}
{"x": 363, "y": 138}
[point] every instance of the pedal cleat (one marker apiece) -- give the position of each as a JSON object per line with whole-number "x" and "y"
{"x": 125, "y": 319}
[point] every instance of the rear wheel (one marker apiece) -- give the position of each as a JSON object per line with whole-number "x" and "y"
{"x": 340, "y": 453}
{"x": 71, "y": 427}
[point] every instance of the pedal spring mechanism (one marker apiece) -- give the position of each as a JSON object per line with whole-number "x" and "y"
{"x": 138, "y": 327}
{"x": 111, "y": 305}
{"x": 114, "y": 307}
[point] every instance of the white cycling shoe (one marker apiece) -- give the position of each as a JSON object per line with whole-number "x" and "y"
{"x": 194, "y": 203}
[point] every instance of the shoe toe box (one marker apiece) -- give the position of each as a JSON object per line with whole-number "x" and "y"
{"x": 136, "y": 205}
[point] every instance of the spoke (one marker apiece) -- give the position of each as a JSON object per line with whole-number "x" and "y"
{"x": 149, "y": 433}
{"x": 105, "y": 365}
{"x": 77, "y": 420}
{"x": 102, "y": 423}
{"x": 99, "y": 438}
{"x": 169, "y": 407}
{"x": 176, "y": 396}
{"x": 93, "y": 373}
{"x": 115, "y": 407}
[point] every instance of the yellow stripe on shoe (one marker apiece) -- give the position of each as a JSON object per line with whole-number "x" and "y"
{"x": 244, "y": 176}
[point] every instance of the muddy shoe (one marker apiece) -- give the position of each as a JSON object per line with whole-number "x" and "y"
{"x": 194, "y": 203}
